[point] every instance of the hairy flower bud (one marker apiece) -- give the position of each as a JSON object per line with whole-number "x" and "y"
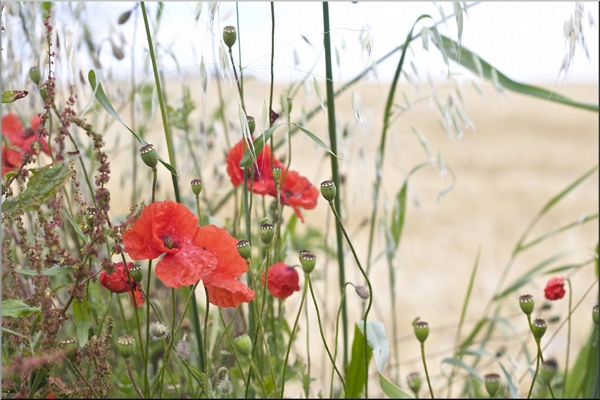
{"x": 362, "y": 292}
{"x": 277, "y": 174}
{"x": 158, "y": 331}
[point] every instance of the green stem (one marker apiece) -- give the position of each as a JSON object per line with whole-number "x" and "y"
{"x": 272, "y": 72}
{"x": 261, "y": 380}
{"x": 425, "y": 367}
{"x": 239, "y": 41}
{"x": 312, "y": 293}
{"x": 289, "y": 348}
{"x": 568, "y": 339}
{"x": 334, "y": 167}
{"x": 339, "y": 220}
{"x": 337, "y": 330}
{"x": 132, "y": 379}
{"x": 537, "y": 366}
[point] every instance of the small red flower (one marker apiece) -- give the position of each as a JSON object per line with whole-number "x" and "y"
{"x": 263, "y": 175}
{"x": 297, "y": 191}
{"x": 169, "y": 227}
{"x": 555, "y": 288}
{"x": 20, "y": 141}
{"x": 283, "y": 280}
{"x": 224, "y": 290}
{"x": 118, "y": 282}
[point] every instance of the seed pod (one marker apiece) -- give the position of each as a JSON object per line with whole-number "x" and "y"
{"x": 196, "y": 186}
{"x": 526, "y": 303}
{"x": 35, "y": 75}
{"x": 243, "y": 344}
{"x": 538, "y": 327}
{"x": 492, "y": 384}
{"x": 243, "y": 247}
{"x": 308, "y": 262}
{"x": 149, "y": 155}
{"x": 548, "y": 370}
{"x": 421, "y": 329}
{"x": 414, "y": 382}
{"x": 126, "y": 346}
{"x": 266, "y": 233}
{"x": 124, "y": 17}
{"x": 251, "y": 124}
{"x": 136, "y": 272}
{"x": 229, "y": 36}
{"x": 328, "y": 190}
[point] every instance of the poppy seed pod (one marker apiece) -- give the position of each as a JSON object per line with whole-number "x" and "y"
{"x": 125, "y": 346}
{"x": 136, "y": 272}
{"x": 421, "y": 329}
{"x": 196, "y": 186}
{"x": 229, "y": 36}
{"x": 68, "y": 344}
{"x": 328, "y": 190}
{"x": 492, "y": 384}
{"x": 149, "y": 155}
{"x": 526, "y": 303}
{"x": 251, "y": 124}
{"x": 266, "y": 233}
{"x": 414, "y": 382}
{"x": 548, "y": 370}
{"x": 595, "y": 314}
{"x": 243, "y": 344}
{"x": 538, "y": 327}
{"x": 308, "y": 262}
{"x": 243, "y": 247}
{"x": 35, "y": 75}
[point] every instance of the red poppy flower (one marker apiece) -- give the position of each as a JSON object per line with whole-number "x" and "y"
{"x": 297, "y": 191}
{"x": 224, "y": 290}
{"x": 555, "y": 288}
{"x": 263, "y": 174}
{"x": 20, "y": 141}
{"x": 118, "y": 282}
{"x": 169, "y": 227}
{"x": 283, "y": 280}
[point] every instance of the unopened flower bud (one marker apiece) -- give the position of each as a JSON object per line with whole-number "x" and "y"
{"x": 35, "y": 75}
{"x": 308, "y": 262}
{"x": 538, "y": 327}
{"x": 414, "y": 382}
{"x": 328, "y": 190}
{"x": 266, "y": 233}
{"x": 421, "y": 329}
{"x": 149, "y": 155}
{"x": 526, "y": 303}
{"x": 277, "y": 174}
{"x": 251, "y": 124}
{"x": 595, "y": 314}
{"x": 182, "y": 348}
{"x": 362, "y": 292}
{"x": 158, "y": 331}
{"x": 243, "y": 247}
{"x": 124, "y": 17}
{"x": 243, "y": 344}
{"x": 225, "y": 387}
{"x": 44, "y": 92}
{"x": 126, "y": 346}
{"x": 196, "y": 186}
{"x": 492, "y": 384}
{"x": 136, "y": 272}
{"x": 548, "y": 370}
{"x": 229, "y": 36}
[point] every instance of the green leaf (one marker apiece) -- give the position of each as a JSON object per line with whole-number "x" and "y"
{"x": 103, "y": 100}
{"x": 57, "y": 271}
{"x": 355, "y": 376}
{"x": 316, "y": 140}
{"x": 81, "y": 315}
{"x": 75, "y": 226}
{"x": 460, "y": 364}
{"x": 465, "y": 57}
{"x": 42, "y": 186}
{"x": 250, "y": 154}
{"x": 17, "y": 309}
{"x": 398, "y": 213}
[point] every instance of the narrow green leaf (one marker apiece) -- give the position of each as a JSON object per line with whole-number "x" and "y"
{"x": 42, "y": 186}
{"x": 29, "y": 272}
{"x": 17, "y": 309}
{"x": 392, "y": 391}
{"x": 105, "y": 103}
{"x": 424, "y": 144}
{"x": 398, "y": 213}
{"x": 57, "y": 271}
{"x": 81, "y": 315}
{"x": 462, "y": 365}
{"x": 463, "y": 312}
{"x": 316, "y": 140}
{"x": 466, "y": 57}
{"x": 437, "y": 40}
{"x": 568, "y": 189}
{"x": 250, "y": 154}
{"x": 319, "y": 94}
{"x": 355, "y": 375}
{"x": 574, "y": 224}
{"x": 75, "y": 226}
{"x": 459, "y": 19}
{"x": 469, "y": 339}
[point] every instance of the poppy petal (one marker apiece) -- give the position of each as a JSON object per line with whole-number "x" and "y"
{"x": 188, "y": 266}
{"x": 139, "y": 297}
{"x": 224, "y": 247}
{"x": 227, "y": 292}
{"x": 12, "y": 129}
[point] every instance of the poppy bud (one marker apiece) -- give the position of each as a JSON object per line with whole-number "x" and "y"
{"x": 595, "y": 314}
{"x": 224, "y": 385}
{"x": 414, "y": 382}
{"x": 149, "y": 155}
{"x": 158, "y": 331}
{"x": 243, "y": 247}
{"x": 136, "y": 272}
{"x": 548, "y": 370}
{"x": 124, "y": 17}
{"x": 362, "y": 292}
{"x": 538, "y": 327}
{"x": 266, "y": 233}
{"x": 196, "y": 186}
{"x": 69, "y": 345}
{"x": 526, "y": 303}
{"x": 229, "y": 36}
{"x": 328, "y": 190}
{"x": 421, "y": 329}
{"x": 125, "y": 346}
{"x": 492, "y": 384}
{"x": 277, "y": 174}
{"x": 35, "y": 75}
{"x": 251, "y": 124}
{"x": 243, "y": 344}
{"x": 308, "y": 262}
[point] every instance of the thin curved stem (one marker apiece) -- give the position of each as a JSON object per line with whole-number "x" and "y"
{"x": 425, "y": 367}
{"x": 568, "y": 340}
{"x": 337, "y": 330}
{"x": 537, "y": 366}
